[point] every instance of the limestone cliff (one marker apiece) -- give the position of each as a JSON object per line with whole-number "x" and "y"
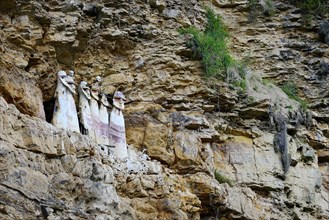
{"x": 214, "y": 151}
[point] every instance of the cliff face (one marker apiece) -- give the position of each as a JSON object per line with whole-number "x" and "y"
{"x": 215, "y": 151}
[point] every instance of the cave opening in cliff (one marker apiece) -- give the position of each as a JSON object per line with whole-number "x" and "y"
{"x": 48, "y": 106}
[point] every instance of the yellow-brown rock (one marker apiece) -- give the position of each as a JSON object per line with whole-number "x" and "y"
{"x": 156, "y": 140}
{"x": 200, "y": 148}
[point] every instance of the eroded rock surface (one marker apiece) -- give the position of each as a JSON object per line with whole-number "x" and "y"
{"x": 181, "y": 128}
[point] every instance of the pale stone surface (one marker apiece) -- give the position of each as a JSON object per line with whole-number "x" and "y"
{"x": 135, "y": 46}
{"x": 44, "y": 170}
{"x": 21, "y": 91}
{"x": 156, "y": 142}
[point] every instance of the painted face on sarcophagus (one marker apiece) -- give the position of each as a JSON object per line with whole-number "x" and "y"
{"x": 95, "y": 87}
{"x": 119, "y": 100}
{"x": 70, "y": 81}
{"x": 104, "y": 100}
{"x": 84, "y": 89}
{"x": 62, "y": 77}
{"x": 67, "y": 80}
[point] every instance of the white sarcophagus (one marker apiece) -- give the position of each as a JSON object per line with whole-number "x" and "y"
{"x": 65, "y": 114}
{"x": 104, "y": 121}
{"x": 117, "y": 132}
{"x": 84, "y": 108}
{"x": 94, "y": 108}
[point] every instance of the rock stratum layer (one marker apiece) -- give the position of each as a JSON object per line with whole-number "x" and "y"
{"x": 210, "y": 146}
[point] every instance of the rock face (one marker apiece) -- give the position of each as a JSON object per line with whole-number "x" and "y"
{"x": 198, "y": 148}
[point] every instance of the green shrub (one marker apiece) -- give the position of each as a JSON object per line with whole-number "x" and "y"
{"x": 312, "y": 8}
{"x": 252, "y": 10}
{"x": 268, "y": 82}
{"x": 291, "y": 90}
{"x": 269, "y": 8}
{"x": 310, "y": 5}
{"x": 255, "y": 9}
{"x": 210, "y": 46}
{"x": 242, "y": 84}
{"x": 222, "y": 179}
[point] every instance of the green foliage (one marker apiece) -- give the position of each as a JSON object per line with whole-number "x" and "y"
{"x": 255, "y": 9}
{"x": 289, "y": 107}
{"x": 269, "y": 8}
{"x": 242, "y": 84}
{"x": 252, "y": 13}
{"x": 222, "y": 179}
{"x": 268, "y": 82}
{"x": 210, "y": 46}
{"x": 312, "y": 7}
{"x": 251, "y": 99}
{"x": 290, "y": 89}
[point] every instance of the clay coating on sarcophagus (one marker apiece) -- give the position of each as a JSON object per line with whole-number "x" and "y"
{"x": 103, "y": 137}
{"x": 84, "y": 108}
{"x": 117, "y": 132}
{"x": 94, "y": 107}
{"x": 65, "y": 113}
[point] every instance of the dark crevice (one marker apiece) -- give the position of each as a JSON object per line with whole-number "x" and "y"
{"x": 49, "y": 109}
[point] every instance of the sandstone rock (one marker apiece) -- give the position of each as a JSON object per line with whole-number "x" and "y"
{"x": 156, "y": 141}
{"x": 171, "y": 13}
{"x": 32, "y": 184}
{"x": 323, "y": 155}
{"x": 324, "y": 32}
{"x": 207, "y": 189}
{"x": 43, "y": 142}
{"x": 153, "y": 167}
{"x": 250, "y": 112}
{"x": 304, "y": 193}
{"x": 228, "y": 4}
{"x": 135, "y": 46}
{"x": 186, "y": 146}
{"x": 14, "y": 199}
{"x": 145, "y": 208}
{"x": 14, "y": 84}
{"x": 317, "y": 140}
{"x": 158, "y": 4}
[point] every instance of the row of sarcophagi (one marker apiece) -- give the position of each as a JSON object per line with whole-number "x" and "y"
{"x": 93, "y": 118}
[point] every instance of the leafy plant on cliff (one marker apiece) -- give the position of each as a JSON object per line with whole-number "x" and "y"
{"x": 290, "y": 89}
{"x": 311, "y": 9}
{"x": 269, "y": 8}
{"x": 222, "y": 179}
{"x": 211, "y": 46}
{"x": 311, "y": 5}
{"x": 255, "y": 9}
{"x": 252, "y": 11}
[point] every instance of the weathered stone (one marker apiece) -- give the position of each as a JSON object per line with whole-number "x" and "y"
{"x": 39, "y": 141}
{"x": 317, "y": 140}
{"x": 13, "y": 84}
{"x": 135, "y": 46}
{"x": 30, "y": 183}
{"x": 186, "y": 146}
{"x": 324, "y": 32}
{"x": 145, "y": 207}
{"x": 250, "y": 112}
{"x": 156, "y": 141}
{"x": 158, "y": 4}
{"x": 323, "y": 155}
